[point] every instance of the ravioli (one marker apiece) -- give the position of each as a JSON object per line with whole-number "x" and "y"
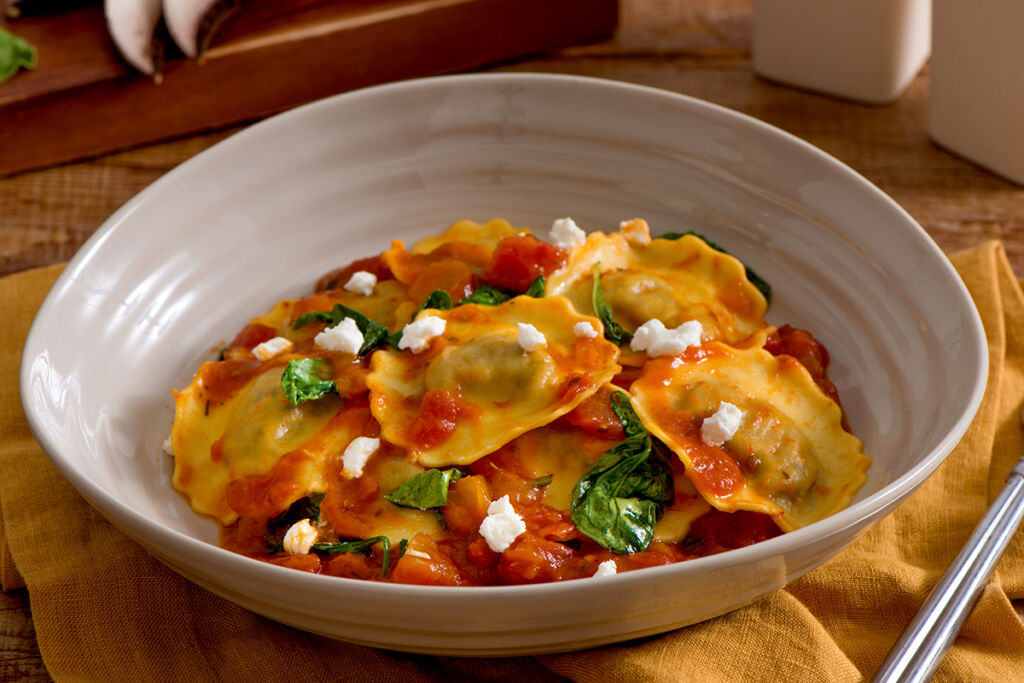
{"x": 475, "y": 388}
{"x": 673, "y": 281}
{"x": 487, "y": 234}
{"x": 512, "y": 407}
{"x": 790, "y": 456}
{"x": 216, "y": 441}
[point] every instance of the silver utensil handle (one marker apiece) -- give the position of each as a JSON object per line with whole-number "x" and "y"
{"x": 917, "y": 654}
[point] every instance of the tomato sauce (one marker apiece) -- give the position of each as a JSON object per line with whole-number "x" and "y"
{"x": 519, "y": 260}
{"x": 439, "y": 415}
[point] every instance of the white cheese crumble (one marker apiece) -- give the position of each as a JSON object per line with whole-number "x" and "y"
{"x": 584, "y": 329}
{"x": 565, "y": 233}
{"x": 355, "y": 456}
{"x": 606, "y": 568}
{"x": 344, "y": 337}
{"x": 721, "y": 426}
{"x": 530, "y": 337}
{"x": 416, "y": 335}
{"x": 416, "y": 553}
{"x": 502, "y": 525}
{"x": 168, "y": 448}
{"x": 272, "y": 347}
{"x": 300, "y": 537}
{"x": 361, "y": 282}
{"x": 654, "y": 338}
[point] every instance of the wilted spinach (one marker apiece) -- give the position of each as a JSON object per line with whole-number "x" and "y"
{"x": 618, "y": 501}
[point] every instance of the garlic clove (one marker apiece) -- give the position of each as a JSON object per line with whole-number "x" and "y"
{"x": 133, "y": 26}
{"x": 192, "y": 23}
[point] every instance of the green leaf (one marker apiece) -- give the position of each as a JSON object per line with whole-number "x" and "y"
{"x": 618, "y": 501}
{"x": 613, "y": 331}
{"x": 425, "y": 490}
{"x": 755, "y": 279}
{"x": 439, "y": 299}
{"x": 536, "y": 288}
{"x": 307, "y": 379}
{"x": 541, "y": 482}
{"x": 363, "y": 545}
{"x": 374, "y": 333}
{"x": 15, "y": 53}
{"x": 307, "y": 507}
{"x": 403, "y": 545}
{"x": 485, "y": 295}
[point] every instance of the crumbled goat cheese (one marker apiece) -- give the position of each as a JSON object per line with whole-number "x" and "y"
{"x": 361, "y": 282}
{"x": 721, "y": 426}
{"x": 416, "y": 553}
{"x": 416, "y": 335}
{"x": 606, "y": 568}
{"x": 636, "y": 231}
{"x": 344, "y": 337}
{"x": 168, "y": 448}
{"x": 300, "y": 537}
{"x": 530, "y": 337}
{"x": 656, "y": 340}
{"x": 584, "y": 329}
{"x": 272, "y": 347}
{"x": 355, "y": 456}
{"x": 502, "y": 525}
{"x": 565, "y": 233}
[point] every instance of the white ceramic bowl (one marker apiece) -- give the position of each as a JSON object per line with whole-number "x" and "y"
{"x": 261, "y": 215}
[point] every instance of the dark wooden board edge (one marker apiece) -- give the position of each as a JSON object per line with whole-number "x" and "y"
{"x": 249, "y": 81}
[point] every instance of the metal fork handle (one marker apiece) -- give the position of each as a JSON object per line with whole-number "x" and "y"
{"x": 917, "y": 654}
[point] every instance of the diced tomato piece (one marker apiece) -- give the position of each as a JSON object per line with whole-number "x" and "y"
{"x": 519, "y": 259}
{"x": 449, "y": 275}
{"x": 344, "y": 501}
{"x": 251, "y": 335}
{"x": 351, "y": 566}
{"x": 733, "y": 529}
{"x": 439, "y": 570}
{"x": 531, "y": 559}
{"x": 246, "y": 536}
{"x": 304, "y": 563}
{"x": 811, "y": 353}
{"x": 595, "y": 416}
{"x": 468, "y": 499}
{"x": 271, "y": 493}
{"x": 340, "y": 276}
{"x": 439, "y": 414}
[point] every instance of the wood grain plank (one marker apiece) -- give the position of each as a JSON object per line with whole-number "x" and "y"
{"x": 80, "y": 102}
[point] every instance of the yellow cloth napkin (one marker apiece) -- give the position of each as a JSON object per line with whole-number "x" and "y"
{"x": 105, "y": 610}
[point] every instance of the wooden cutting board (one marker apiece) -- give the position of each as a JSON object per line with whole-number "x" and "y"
{"x": 82, "y": 101}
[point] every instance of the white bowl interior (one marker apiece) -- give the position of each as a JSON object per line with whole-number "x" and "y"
{"x": 186, "y": 263}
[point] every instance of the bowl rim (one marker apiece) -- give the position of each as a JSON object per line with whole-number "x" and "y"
{"x": 871, "y": 507}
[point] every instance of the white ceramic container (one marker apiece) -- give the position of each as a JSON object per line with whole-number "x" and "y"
{"x": 864, "y": 50}
{"x": 261, "y": 215}
{"x": 976, "y": 89}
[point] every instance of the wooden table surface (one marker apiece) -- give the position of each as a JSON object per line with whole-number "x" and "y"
{"x": 695, "y": 47}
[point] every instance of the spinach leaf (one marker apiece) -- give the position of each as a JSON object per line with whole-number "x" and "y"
{"x": 541, "y": 482}
{"x": 306, "y": 379}
{"x": 613, "y": 331}
{"x": 486, "y": 295}
{"x": 374, "y": 333}
{"x": 755, "y": 279}
{"x": 536, "y": 288}
{"x": 15, "y": 53}
{"x": 362, "y": 545}
{"x": 439, "y": 299}
{"x": 307, "y": 507}
{"x": 618, "y": 501}
{"x": 425, "y": 490}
